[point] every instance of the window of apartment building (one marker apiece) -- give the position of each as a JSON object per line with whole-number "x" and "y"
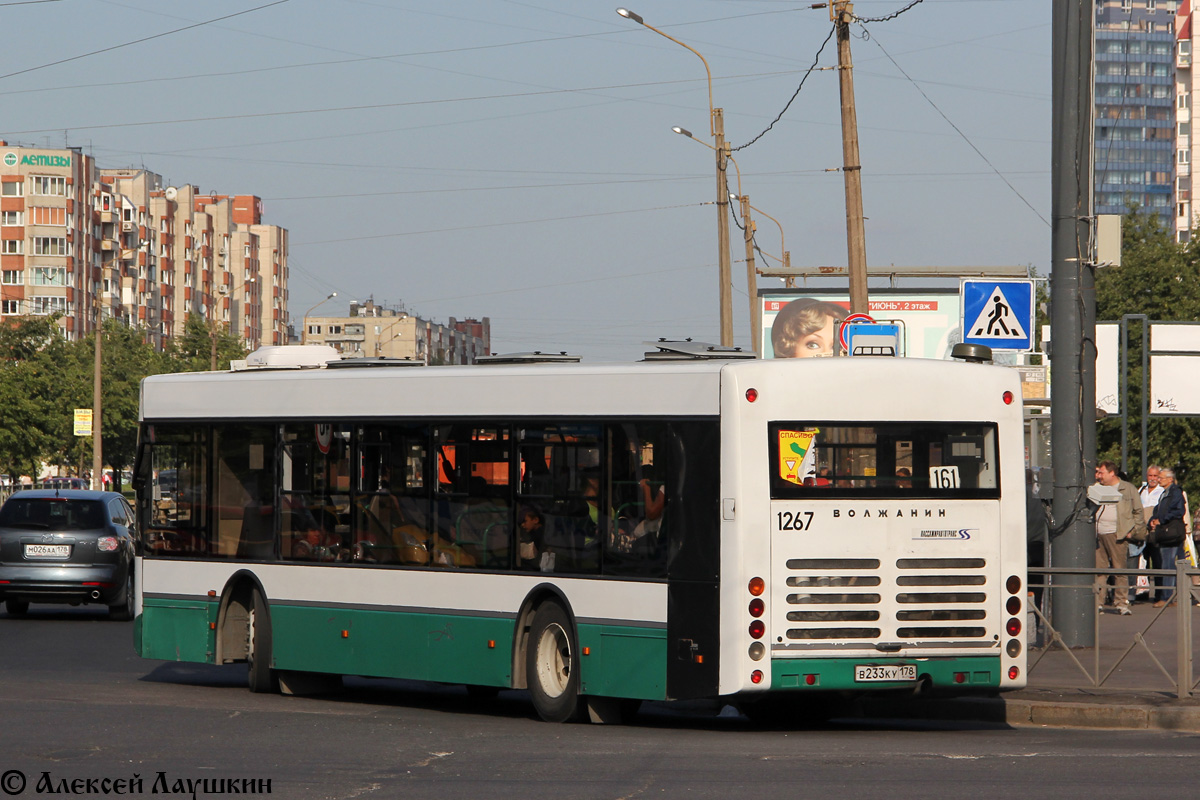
{"x": 12, "y": 189}
{"x": 1160, "y": 49}
{"x": 1160, "y": 91}
{"x": 1182, "y": 210}
{"x": 1185, "y": 129}
{"x": 12, "y": 247}
{"x": 1184, "y": 236}
{"x": 53, "y": 185}
{"x": 50, "y": 246}
{"x": 10, "y": 307}
{"x": 47, "y": 216}
{"x": 42, "y": 305}
{"x": 1184, "y": 100}
{"x": 1113, "y": 48}
{"x": 1159, "y": 70}
{"x": 12, "y": 277}
{"x": 12, "y": 218}
{"x": 1151, "y": 6}
{"x": 50, "y": 276}
{"x": 246, "y": 250}
{"x": 314, "y": 330}
{"x": 1185, "y": 156}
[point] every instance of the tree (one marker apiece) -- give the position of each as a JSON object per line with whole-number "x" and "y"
{"x": 192, "y": 352}
{"x": 28, "y": 388}
{"x": 1160, "y": 278}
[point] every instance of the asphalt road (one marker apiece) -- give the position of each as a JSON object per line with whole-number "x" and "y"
{"x": 76, "y": 703}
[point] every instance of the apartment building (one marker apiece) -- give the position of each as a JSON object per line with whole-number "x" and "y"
{"x": 1135, "y": 151}
{"x": 76, "y": 238}
{"x": 370, "y": 330}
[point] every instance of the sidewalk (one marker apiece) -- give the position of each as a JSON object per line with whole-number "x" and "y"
{"x": 1137, "y": 695}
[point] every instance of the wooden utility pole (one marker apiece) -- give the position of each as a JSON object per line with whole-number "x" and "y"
{"x": 724, "y": 268}
{"x": 841, "y": 13}
{"x": 97, "y": 448}
{"x": 751, "y": 272}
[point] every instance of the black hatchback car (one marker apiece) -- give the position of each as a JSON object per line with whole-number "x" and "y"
{"x": 67, "y": 546}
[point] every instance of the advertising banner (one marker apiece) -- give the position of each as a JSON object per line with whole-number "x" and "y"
{"x": 798, "y": 323}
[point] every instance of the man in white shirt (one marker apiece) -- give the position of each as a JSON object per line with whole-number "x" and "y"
{"x": 1149, "y": 495}
{"x": 1115, "y": 521}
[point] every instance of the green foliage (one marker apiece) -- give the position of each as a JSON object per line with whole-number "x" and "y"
{"x": 1159, "y": 278}
{"x": 44, "y": 378}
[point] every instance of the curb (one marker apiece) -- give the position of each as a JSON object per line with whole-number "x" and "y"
{"x": 1025, "y": 713}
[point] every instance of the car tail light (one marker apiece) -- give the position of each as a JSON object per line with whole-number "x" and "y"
{"x": 107, "y": 544}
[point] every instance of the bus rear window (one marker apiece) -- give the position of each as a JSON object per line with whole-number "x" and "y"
{"x": 894, "y": 459}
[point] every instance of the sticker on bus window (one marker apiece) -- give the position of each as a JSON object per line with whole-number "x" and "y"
{"x": 797, "y": 456}
{"x": 943, "y": 477}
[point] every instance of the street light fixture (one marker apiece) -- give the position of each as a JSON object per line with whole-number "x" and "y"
{"x": 304, "y": 319}
{"x": 748, "y": 231}
{"x": 717, "y": 131}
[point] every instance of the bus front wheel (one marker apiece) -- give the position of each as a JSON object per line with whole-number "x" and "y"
{"x": 551, "y": 665}
{"x": 261, "y": 677}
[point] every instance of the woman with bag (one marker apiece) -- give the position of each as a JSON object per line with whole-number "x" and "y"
{"x": 1167, "y": 532}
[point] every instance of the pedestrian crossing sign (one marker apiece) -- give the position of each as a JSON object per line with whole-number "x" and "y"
{"x": 998, "y": 314}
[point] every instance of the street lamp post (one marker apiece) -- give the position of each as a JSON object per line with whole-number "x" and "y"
{"x": 380, "y": 340}
{"x": 303, "y": 320}
{"x": 717, "y": 131}
{"x": 748, "y": 231}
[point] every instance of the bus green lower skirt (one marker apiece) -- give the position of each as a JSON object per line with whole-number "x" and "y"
{"x": 839, "y": 673}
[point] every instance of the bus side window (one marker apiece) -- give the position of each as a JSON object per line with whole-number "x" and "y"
{"x": 640, "y": 478}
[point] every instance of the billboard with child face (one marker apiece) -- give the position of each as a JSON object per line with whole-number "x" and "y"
{"x": 799, "y": 323}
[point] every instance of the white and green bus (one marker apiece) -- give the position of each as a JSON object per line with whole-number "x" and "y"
{"x": 768, "y": 533}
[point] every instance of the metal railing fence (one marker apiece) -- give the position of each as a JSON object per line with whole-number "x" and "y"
{"x": 1183, "y": 680}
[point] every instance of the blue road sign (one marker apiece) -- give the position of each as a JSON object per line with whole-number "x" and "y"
{"x": 998, "y": 314}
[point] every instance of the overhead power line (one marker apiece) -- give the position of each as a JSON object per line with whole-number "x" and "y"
{"x": 794, "y": 94}
{"x": 143, "y": 39}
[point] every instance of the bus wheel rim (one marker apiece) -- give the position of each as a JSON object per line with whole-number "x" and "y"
{"x": 554, "y": 660}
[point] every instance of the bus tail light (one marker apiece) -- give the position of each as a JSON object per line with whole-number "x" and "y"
{"x": 751, "y": 395}
{"x": 1014, "y": 673}
{"x": 1013, "y": 627}
{"x": 960, "y": 677}
{"x": 1008, "y": 398}
{"x": 757, "y": 585}
{"x": 1013, "y": 584}
{"x": 756, "y": 607}
{"x": 1013, "y": 606}
{"x": 810, "y": 680}
{"x": 756, "y": 676}
{"x": 757, "y": 629}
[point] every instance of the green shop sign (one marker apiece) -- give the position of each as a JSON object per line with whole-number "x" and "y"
{"x": 38, "y": 161}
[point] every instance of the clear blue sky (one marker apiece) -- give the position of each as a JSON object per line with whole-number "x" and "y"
{"x": 515, "y": 160}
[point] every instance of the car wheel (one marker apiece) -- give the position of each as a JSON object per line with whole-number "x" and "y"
{"x": 551, "y": 665}
{"x": 122, "y": 610}
{"x": 260, "y": 677}
{"x": 16, "y": 608}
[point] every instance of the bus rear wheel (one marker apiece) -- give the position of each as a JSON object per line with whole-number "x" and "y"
{"x": 551, "y": 665}
{"x": 260, "y": 677}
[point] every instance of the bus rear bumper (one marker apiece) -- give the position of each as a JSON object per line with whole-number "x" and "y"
{"x": 962, "y": 674}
